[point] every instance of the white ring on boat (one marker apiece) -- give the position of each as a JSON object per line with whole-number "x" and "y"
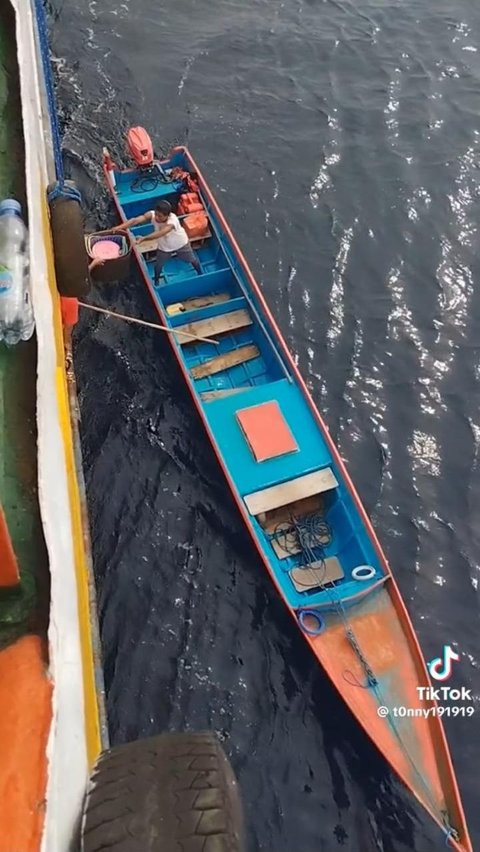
{"x": 363, "y": 572}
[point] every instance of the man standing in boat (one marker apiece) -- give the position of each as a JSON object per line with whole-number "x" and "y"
{"x": 171, "y": 238}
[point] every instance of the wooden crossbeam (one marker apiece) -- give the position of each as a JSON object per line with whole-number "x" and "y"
{"x": 147, "y": 246}
{"x": 288, "y": 492}
{"x": 197, "y": 302}
{"x": 270, "y": 521}
{"x": 208, "y": 396}
{"x": 223, "y": 362}
{"x": 316, "y": 574}
{"x": 213, "y": 326}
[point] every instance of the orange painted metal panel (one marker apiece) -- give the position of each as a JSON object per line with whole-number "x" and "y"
{"x": 25, "y": 699}
{"x": 9, "y": 574}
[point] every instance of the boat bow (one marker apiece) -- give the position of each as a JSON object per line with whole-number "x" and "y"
{"x": 371, "y": 653}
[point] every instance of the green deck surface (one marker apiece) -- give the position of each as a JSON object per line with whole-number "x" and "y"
{"x": 26, "y": 608}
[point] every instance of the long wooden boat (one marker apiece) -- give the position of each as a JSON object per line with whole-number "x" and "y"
{"x": 290, "y": 484}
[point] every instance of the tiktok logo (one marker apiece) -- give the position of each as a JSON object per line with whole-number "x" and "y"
{"x": 441, "y": 667}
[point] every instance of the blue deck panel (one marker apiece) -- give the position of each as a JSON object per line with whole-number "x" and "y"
{"x": 144, "y": 200}
{"x": 248, "y": 474}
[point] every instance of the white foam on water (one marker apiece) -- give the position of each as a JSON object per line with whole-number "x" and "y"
{"x": 337, "y": 292}
{"x": 424, "y": 452}
{"x": 392, "y": 107}
{"x": 276, "y": 188}
{"x": 290, "y": 281}
{"x": 418, "y": 203}
{"x": 400, "y": 319}
{"x": 364, "y": 391}
{"x": 188, "y": 67}
{"x": 321, "y": 182}
{"x": 462, "y": 30}
{"x": 331, "y": 157}
{"x": 456, "y": 282}
{"x": 431, "y": 368}
{"x": 310, "y": 332}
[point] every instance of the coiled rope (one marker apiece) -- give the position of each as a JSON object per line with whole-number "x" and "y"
{"x": 62, "y": 189}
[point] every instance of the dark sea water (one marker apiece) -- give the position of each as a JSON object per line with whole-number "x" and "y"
{"x": 342, "y": 140}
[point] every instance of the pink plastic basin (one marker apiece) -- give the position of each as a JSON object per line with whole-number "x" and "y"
{"x": 106, "y": 249}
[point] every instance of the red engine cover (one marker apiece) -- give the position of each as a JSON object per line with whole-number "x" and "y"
{"x": 140, "y": 146}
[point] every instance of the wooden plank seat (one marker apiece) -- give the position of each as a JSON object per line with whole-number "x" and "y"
{"x": 270, "y": 521}
{"x": 197, "y": 302}
{"x": 199, "y": 241}
{"x": 223, "y": 362}
{"x": 287, "y": 492}
{"x": 219, "y": 393}
{"x": 316, "y": 574}
{"x": 147, "y": 246}
{"x": 213, "y": 326}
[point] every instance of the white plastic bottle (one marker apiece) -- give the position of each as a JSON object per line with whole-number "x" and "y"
{"x": 16, "y": 312}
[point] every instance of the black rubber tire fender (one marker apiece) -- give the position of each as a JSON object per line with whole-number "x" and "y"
{"x": 170, "y": 793}
{"x": 71, "y": 259}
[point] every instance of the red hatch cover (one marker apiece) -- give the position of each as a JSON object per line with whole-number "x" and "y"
{"x": 266, "y": 431}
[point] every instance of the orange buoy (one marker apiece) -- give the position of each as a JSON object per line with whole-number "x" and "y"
{"x": 9, "y": 573}
{"x": 69, "y": 310}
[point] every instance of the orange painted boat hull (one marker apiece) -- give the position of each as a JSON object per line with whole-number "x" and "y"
{"x": 414, "y": 745}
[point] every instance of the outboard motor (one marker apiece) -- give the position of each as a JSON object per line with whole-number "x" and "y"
{"x": 140, "y": 147}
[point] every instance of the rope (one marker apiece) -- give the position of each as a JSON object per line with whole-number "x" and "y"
{"x": 149, "y": 179}
{"x": 451, "y": 833}
{"x": 145, "y": 184}
{"x": 60, "y": 190}
{"x": 371, "y": 679}
{"x": 307, "y": 533}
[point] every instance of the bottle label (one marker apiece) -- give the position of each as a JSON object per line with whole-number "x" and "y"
{"x": 6, "y": 279}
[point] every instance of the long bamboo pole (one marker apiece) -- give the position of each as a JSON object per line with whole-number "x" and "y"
{"x": 150, "y": 324}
